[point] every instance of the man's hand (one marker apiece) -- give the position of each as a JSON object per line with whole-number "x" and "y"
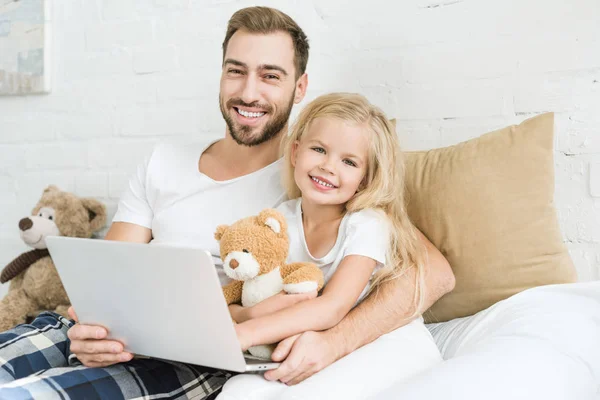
{"x": 304, "y": 354}
{"x": 88, "y": 344}
{"x": 268, "y": 306}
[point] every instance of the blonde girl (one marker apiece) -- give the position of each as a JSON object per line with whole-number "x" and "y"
{"x": 344, "y": 175}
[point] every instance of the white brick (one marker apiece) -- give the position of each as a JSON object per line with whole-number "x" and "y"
{"x": 177, "y": 4}
{"x": 11, "y": 213}
{"x": 7, "y": 184}
{"x": 119, "y": 10}
{"x": 117, "y": 183}
{"x": 558, "y": 55}
{"x": 155, "y": 60}
{"x": 118, "y": 155}
{"x": 595, "y": 179}
{"x": 461, "y": 60}
{"x": 99, "y": 65}
{"x": 557, "y": 91}
{"x": 91, "y": 184}
{"x": 587, "y": 261}
{"x": 102, "y": 96}
{"x": 93, "y": 125}
{"x": 32, "y": 185}
{"x": 189, "y": 86}
{"x": 578, "y": 132}
{"x": 12, "y": 158}
{"x": 27, "y": 128}
{"x": 417, "y": 135}
{"x": 479, "y": 98}
{"x": 160, "y": 121}
{"x": 579, "y": 214}
{"x": 197, "y": 28}
{"x": 195, "y": 62}
{"x": 108, "y": 35}
{"x": 55, "y": 156}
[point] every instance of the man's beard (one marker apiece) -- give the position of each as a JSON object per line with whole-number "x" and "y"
{"x": 243, "y": 134}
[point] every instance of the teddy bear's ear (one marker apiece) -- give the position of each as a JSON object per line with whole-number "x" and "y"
{"x": 51, "y": 188}
{"x": 273, "y": 219}
{"x": 96, "y": 212}
{"x": 220, "y": 231}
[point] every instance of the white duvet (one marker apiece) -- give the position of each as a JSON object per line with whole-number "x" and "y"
{"x": 543, "y": 343}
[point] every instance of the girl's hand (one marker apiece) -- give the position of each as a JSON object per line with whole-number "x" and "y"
{"x": 243, "y": 336}
{"x": 268, "y": 306}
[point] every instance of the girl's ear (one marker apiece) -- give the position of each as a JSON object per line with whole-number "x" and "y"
{"x": 363, "y": 184}
{"x": 294, "y": 153}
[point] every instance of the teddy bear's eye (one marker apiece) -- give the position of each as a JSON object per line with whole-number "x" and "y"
{"x": 50, "y": 218}
{"x": 245, "y": 251}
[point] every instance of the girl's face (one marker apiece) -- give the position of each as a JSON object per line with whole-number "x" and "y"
{"x": 330, "y": 161}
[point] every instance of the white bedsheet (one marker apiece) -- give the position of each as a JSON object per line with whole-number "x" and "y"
{"x": 543, "y": 343}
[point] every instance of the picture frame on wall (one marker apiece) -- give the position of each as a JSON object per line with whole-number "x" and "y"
{"x": 25, "y": 47}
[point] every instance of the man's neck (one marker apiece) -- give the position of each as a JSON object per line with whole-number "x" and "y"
{"x": 235, "y": 160}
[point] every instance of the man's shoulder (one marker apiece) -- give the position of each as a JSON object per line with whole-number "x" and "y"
{"x": 173, "y": 153}
{"x": 179, "y": 147}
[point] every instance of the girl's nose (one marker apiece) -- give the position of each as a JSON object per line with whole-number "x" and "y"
{"x": 325, "y": 167}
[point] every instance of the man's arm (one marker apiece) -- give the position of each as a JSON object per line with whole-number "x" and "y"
{"x": 87, "y": 341}
{"x": 385, "y": 310}
{"x": 392, "y": 305}
{"x": 127, "y": 232}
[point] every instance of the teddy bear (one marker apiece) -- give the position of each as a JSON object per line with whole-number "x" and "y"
{"x": 254, "y": 252}
{"x": 34, "y": 282}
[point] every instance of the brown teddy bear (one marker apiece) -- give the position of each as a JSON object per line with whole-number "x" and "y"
{"x": 35, "y": 285}
{"x": 254, "y": 251}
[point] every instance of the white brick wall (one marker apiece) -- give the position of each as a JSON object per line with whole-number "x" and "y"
{"x": 130, "y": 72}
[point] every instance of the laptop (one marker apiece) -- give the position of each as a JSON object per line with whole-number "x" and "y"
{"x": 160, "y": 301}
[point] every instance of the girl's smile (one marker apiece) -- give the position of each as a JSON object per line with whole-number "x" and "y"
{"x": 330, "y": 161}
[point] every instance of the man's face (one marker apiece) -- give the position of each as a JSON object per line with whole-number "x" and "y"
{"x": 258, "y": 86}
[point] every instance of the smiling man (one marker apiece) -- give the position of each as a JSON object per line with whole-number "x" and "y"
{"x": 179, "y": 195}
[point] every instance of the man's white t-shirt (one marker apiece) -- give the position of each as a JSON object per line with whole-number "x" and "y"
{"x": 363, "y": 233}
{"x": 183, "y": 207}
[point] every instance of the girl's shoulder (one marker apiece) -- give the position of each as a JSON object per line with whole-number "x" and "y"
{"x": 367, "y": 221}
{"x": 289, "y": 208}
{"x": 367, "y": 215}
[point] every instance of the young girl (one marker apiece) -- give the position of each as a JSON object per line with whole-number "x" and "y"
{"x": 344, "y": 175}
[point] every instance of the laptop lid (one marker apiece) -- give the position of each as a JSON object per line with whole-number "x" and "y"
{"x": 159, "y": 301}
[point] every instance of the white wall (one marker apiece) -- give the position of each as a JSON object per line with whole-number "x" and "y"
{"x": 130, "y": 72}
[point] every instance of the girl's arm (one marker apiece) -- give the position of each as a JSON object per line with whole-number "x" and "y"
{"x": 338, "y": 298}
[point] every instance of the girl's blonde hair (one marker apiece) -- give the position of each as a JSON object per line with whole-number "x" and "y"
{"x": 383, "y": 187}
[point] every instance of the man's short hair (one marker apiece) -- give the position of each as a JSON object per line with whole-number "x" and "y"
{"x": 265, "y": 20}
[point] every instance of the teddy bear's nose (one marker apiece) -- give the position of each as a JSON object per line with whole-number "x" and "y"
{"x": 25, "y": 224}
{"x": 234, "y": 264}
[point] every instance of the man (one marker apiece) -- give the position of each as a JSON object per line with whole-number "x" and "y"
{"x": 179, "y": 196}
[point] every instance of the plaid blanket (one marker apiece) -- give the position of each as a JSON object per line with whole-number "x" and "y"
{"x": 35, "y": 363}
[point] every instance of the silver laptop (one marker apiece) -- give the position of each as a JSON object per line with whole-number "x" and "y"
{"x": 160, "y": 301}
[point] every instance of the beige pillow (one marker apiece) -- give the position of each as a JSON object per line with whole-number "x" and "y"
{"x": 487, "y": 204}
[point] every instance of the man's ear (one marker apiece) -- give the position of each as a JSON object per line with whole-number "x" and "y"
{"x": 220, "y": 231}
{"x": 301, "y": 86}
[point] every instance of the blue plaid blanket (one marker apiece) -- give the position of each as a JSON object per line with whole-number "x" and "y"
{"x": 35, "y": 363}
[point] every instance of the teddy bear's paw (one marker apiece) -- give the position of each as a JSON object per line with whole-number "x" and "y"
{"x": 263, "y": 351}
{"x": 300, "y": 287}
